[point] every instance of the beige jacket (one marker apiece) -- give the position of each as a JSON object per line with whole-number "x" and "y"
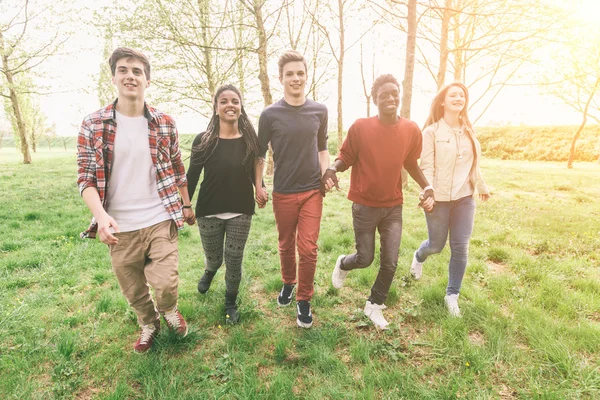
{"x": 438, "y": 158}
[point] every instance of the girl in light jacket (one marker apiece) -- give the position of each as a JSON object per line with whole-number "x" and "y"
{"x": 450, "y": 162}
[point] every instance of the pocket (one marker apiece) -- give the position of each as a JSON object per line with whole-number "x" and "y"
{"x": 124, "y": 241}
{"x": 173, "y": 232}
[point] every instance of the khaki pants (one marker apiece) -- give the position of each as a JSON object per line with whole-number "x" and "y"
{"x": 143, "y": 258}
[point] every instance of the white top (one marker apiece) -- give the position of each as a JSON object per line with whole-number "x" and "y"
{"x": 225, "y": 215}
{"x": 133, "y": 199}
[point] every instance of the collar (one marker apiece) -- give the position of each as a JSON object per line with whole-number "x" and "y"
{"x": 109, "y": 112}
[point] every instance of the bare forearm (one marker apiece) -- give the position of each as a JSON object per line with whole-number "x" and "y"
{"x": 323, "y": 161}
{"x": 259, "y": 165}
{"x": 92, "y": 201}
{"x": 185, "y": 195}
{"x": 416, "y": 173}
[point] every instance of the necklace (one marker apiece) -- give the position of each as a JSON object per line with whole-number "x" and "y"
{"x": 458, "y": 133}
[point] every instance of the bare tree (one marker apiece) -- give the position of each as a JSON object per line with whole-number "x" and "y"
{"x": 366, "y": 91}
{"x": 336, "y": 16}
{"x": 302, "y": 35}
{"x": 409, "y": 63}
{"x": 576, "y": 79}
{"x": 261, "y": 16}
{"x": 197, "y": 52}
{"x": 21, "y": 55}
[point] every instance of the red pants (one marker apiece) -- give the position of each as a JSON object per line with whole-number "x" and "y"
{"x": 298, "y": 218}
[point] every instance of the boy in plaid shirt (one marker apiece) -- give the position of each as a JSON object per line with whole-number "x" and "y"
{"x": 129, "y": 174}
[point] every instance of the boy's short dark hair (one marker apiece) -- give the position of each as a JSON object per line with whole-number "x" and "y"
{"x": 291, "y": 56}
{"x": 382, "y": 79}
{"x": 126, "y": 52}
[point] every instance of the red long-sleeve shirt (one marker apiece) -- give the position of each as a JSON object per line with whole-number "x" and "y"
{"x": 376, "y": 153}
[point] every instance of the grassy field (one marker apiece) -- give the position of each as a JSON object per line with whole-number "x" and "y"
{"x": 531, "y": 303}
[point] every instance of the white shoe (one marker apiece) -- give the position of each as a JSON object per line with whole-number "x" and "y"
{"x": 373, "y": 311}
{"x": 451, "y": 301}
{"x": 338, "y": 276}
{"x": 416, "y": 268}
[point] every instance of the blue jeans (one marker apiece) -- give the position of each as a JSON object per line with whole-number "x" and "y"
{"x": 389, "y": 223}
{"x": 457, "y": 217}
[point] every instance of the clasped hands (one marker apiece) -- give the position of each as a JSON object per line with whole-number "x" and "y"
{"x": 262, "y": 196}
{"x": 426, "y": 200}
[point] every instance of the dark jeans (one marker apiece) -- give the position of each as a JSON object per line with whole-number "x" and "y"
{"x": 388, "y": 221}
{"x": 457, "y": 218}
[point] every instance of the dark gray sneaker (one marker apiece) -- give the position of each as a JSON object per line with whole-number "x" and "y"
{"x": 286, "y": 294}
{"x": 304, "y": 319}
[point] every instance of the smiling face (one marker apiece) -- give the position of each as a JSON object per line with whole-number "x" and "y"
{"x": 130, "y": 79}
{"x": 455, "y": 100}
{"x": 388, "y": 99}
{"x": 293, "y": 79}
{"x": 229, "y": 106}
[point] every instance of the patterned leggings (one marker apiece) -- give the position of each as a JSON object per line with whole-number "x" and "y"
{"x": 232, "y": 233}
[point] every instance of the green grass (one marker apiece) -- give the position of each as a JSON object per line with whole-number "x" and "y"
{"x": 539, "y": 143}
{"x": 530, "y": 299}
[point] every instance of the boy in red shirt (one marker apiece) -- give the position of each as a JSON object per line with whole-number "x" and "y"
{"x": 377, "y": 148}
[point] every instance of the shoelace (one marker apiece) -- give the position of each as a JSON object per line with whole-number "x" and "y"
{"x": 173, "y": 319}
{"x": 147, "y": 332}
{"x": 304, "y": 308}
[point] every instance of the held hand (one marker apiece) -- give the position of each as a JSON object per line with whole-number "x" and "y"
{"x": 104, "y": 225}
{"x": 484, "y": 197}
{"x": 427, "y": 200}
{"x": 322, "y": 188}
{"x": 262, "y": 197}
{"x": 330, "y": 180}
{"x": 188, "y": 216}
{"x": 428, "y": 204}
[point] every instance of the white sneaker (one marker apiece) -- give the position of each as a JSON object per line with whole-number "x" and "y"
{"x": 373, "y": 311}
{"x": 416, "y": 268}
{"x": 451, "y": 301}
{"x": 338, "y": 276}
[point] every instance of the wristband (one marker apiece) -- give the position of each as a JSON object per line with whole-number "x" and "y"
{"x": 332, "y": 168}
{"x": 426, "y": 188}
{"x": 187, "y": 207}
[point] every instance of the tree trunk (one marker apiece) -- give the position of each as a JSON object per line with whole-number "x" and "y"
{"x": 364, "y": 83}
{"x": 263, "y": 74}
{"x": 572, "y": 152}
{"x": 340, "y": 126}
{"x": 583, "y": 122}
{"x": 409, "y": 69}
{"x": 204, "y": 6}
{"x": 409, "y": 65}
{"x": 14, "y": 100}
{"x": 459, "y": 63}
{"x": 239, "y": 40}
{"x": 441, "y": 76}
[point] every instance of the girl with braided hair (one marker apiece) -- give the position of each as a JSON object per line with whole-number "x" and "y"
{"x": 227, "y": 152}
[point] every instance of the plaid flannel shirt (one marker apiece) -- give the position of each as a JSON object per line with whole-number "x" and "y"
{"x": 95, "y": 145}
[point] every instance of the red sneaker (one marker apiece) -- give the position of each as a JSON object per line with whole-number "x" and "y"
{"x": 175, "y": 321}
{"x": 146, "y": 339}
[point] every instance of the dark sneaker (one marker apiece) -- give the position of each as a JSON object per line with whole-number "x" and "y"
{"x": 146, "y": 339}
{"x": 304, "y": 314}
{"x": 175, "y": 322}
{"x": 286, "y": 294}
{"x": 205, "y": 281}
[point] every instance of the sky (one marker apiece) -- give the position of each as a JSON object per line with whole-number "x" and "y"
{"x": 72, "y": 79}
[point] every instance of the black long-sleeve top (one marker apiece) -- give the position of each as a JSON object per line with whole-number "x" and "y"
{"x": 227, "y": 185}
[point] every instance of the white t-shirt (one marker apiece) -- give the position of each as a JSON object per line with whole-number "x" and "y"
{"x": 132, "y": 194}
